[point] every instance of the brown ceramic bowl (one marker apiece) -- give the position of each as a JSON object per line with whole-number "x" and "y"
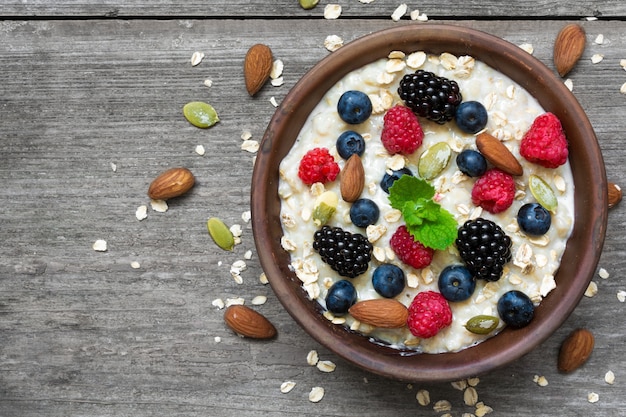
{"x": 579, "y": 260}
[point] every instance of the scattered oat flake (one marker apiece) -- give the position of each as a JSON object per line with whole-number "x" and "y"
{"x": 592, "y": 289}
{"x": 414, "y": 14}
{"x": 540, "y": 380}
{"x": 196, "y": 58}
{"x": 569, "y": 84}
{"x": 312, "y": 358}
{"x": 218, "y": 302}
{"x": 246, "y": 216}
{"x": 234, "y": 301}
{"x": 623, "y": 89}
{"x": 316, "y": 394}
{"x": 326, "y": 366}
{"x": 100, "y": 245}
{"x": 208, "y": 83}
{"x": 621, "y": 296}
{"x": 263, "y": 278}
{"x": 160, "y": 206}
{"x": 273, "y": 101}
{"x": 277, "y": 82}
{"x": 482, "y": 410}
{"x": 135, "y": 265}
{"x": 470, "y": 396}
{"x": 332, "y": 11}
{"x": 609, "y": 378}
{"x": 423, "y": 17}
{"x": 423, "y": 397}
{"x": 442, "y": 405}
{"x": 141, "y": 213}
{"x": 593, "y": 397}
{"x": 603, "y": 273}
{"x": 200, "y": 150}
{"x": 277, "y": 69}
{"x": 113, "y": 167}
{"x": 591, "y": 18}
{"x": 217, "y": 339}
{"x": 259, "y": 300}
{"x": 622, "y": 63}
{"x": 287, "y": 386}
{"x": 250, "y": 145}
{"x": 333, "y": 42}
{"x": 596, "y": 58}
{"x": 599, "y": 39}
{"x": 399, "y": 12}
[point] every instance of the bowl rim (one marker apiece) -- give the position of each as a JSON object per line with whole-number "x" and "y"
{"x": 580, "y": 258}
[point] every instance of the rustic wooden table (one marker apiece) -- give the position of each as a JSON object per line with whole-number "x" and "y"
{"x": 90, "y": 111}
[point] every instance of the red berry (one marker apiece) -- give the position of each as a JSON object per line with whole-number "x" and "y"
{"x": 318, "y": 165}
{"x": 402, "y": 132}
{"x": 545, "y": 143}
{"x": 494, "y": 191}
{"x": 410, "y": 251}
{"x": 429, "y": 312}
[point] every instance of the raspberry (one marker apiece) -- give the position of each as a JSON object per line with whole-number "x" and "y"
{"x": 410, "y": 251}
{"x": 429, "y": 312}
{"x": 494, "y": 191}
{"x": 318, "y": 165}
{"x": 545, "y": 143}
{"x": 402, "y": 132}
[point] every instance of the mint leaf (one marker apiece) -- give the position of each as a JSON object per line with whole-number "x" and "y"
{"x": 409, "y": 188}
{"x": 437, "y": 234}
{"x": 425, "y": 219}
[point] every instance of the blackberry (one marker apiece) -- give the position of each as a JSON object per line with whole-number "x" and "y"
{"x": 346, "y": 253}
{"x": 484, "y": 247}
{"x": 430, "y": 96}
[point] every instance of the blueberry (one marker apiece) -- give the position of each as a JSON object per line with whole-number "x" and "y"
{"x": 471, "y": 163}
{"x": 389, "y": 179}
{"x": 364, "y": 212}
{"x": 456, "y": 283}
{"x": 471, "y": 116}
{"x": 388, "y": 280}
{"x": 534, "y": 219}
{"x": 349, "y": 143}
{"x": 341, "y": 296}
{"x": 515, "y": 308}
{"x": 354, "y": 107}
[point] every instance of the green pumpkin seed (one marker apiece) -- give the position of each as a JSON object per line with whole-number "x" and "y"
{"x": 542, "y": 191}
{"x": 200, "y": 114}
{"x": 308, "y": 4}
{"x": 434, "y": 160}
{"x": 325, "y": 206}
{"x": 221, "y": 234}
{"x": 482, "y": 324}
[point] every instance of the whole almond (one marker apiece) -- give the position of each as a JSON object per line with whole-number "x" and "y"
{"x": 248, "y": 322}
{"x": 352, "y": 179}
{"x": 257, "y": 67}
{"x": 380, "y": 312}
{"x": 171, "y": 183}
{"x": 498, "y": 154}
{"x": 568, "y": 48}
{"x": 615, "y": 194}
{"x": 575, "y": 350}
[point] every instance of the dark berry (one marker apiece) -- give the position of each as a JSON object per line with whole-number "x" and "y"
{"x": 484, "y": 247}
{"x": 388, "y": 280}
{"x": 354, "y": 107}
{"x": 430, "y": 96}
{"x": 389, "y": 179}
{"x": 340, "y": 297}
{"x": 534, "y": 219}
{"x": 471, "y": 116}
{"x": 364, "y": 212}
{"x": 346, "y": 253}
{"x": 472, "y": 163}
{"x": 515, "y": 308}
{"x": 456, "y": 283}
{"x": 350, "y": 143}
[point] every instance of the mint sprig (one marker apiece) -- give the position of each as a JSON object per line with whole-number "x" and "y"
{"x": 428, "y": 222}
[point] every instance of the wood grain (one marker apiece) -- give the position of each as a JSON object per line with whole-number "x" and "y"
{"x": 84, "y": 334}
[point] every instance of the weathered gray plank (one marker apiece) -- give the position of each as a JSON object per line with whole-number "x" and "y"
{"x": 83, "y": 334}
{"x": 290, "y": 8}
